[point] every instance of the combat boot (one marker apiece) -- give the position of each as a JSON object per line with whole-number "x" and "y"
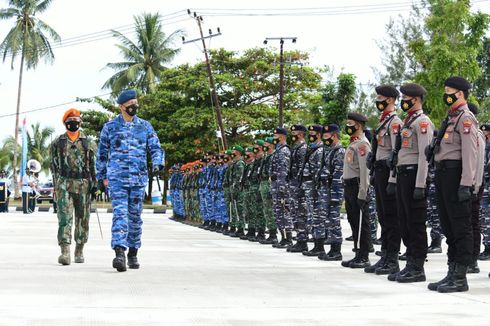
{"x": 351, "y": 238}
{"x": 250, "y": 234}
{"x": 435, "y": 246}
{"x": 79, "y": 254}
{"x": 473, "y": 267}
{"x": 378, "y": 241}
{"x": 299, "y": 246}
{"x": 204, "y": 225}
{"x": 485, "y": 255}
{"x": 392, "y": 277}
{"x": 225, "y": 229}
{"x": 272, "y": 239}
{"x": 219, "y": 227}
{"x": 283, "y": 239}
{"x": 64, "y": 258}
{"x": 415, "y": 271}
{"x": 317, "y": 250}
{"x": 287, "y": 241}
{"x": 379, "y": 263}
{"x": 119, "y": 262}
{"x": 133, "y": 259}
{"x": 231, "y": 231}
{"x": 380, "y": 253}
{"x": 260, "y": 235}
{"x": 333, "y": 255}
{"x": 346, "y": 263}
{"x": 450, "y": 270}
{"x": 362, "y": 261}
{"x": 457, "y": 282}
{"x": 239, "y": 233}
{"x": 211, "y": 226}
{"x": 390, "y": 265}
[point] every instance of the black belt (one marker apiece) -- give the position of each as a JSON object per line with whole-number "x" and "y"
{"x": 307, "y": 178}
{"x": 351, "y": 182}
{"x": 449, "y": 164}
{"x": 381, "y": 164}
{"x": 406, "y": 168}
{"x": 74, "y": 175}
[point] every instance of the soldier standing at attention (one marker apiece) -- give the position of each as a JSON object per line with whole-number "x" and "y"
{"x": 384, "y": 182}
{"x": 278, "y": 172}
{"x": 265, "y": 192}
{"x": 73, "y": 169}
{"x": 237, "y": 219}
{"x": 248, "y": 199}
{"x": 296, "y": 192}
{"x": 122, "y": 163}
{"x": 356, "y": 184}
{"x": 258, "y": 207}
{"x": 485, "y": 201}
{"x": 456, "y": 164}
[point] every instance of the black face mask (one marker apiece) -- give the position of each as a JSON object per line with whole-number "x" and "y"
{"x": 450, "y": 99}
{"x": 265, "y": 149}
{"x": 226, "y": 159}
{"x": 256, "y": 150}
{"x": 381, "y": 105}
{"x": 247, "y": 156}
{"x": 406, "y": 104}
{"x": 312, "y": 139}
{"x": 132, "y": 109}
{"x": 276, "y": 141}
{"x": 294, "y": 139}
{"x": 350, "y": 130}
{"x": 233, "y": 155}
{"x": 328, "y": 142}
{"x": 72, "y": 126}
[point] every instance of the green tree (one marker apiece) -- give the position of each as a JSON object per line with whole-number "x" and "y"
{"x": 93, "y": 121}
{"x": 38, "y": 145}
{"x": 144, "y": 59}
{"x": 29, "y": 38}
{"x": 9, "y": 147}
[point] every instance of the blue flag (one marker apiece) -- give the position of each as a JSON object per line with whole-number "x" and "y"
{"x": 23, "y": 161}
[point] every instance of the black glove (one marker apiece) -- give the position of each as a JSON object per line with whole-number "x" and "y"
{"x": 100, "y": 186}
{"x": 157, "y": 168}
{"x": 419, "y": 193}
{"x": 371, "y": 179}
{"x": 362, "y": 203}
{"x": 391, "y": 189}
{"x": 464, "y": 193}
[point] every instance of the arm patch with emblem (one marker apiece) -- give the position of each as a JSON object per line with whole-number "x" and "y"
{"x": 362, "y": 149}
{"x": 423, "y": 126}
{"x": 467, "y": 126}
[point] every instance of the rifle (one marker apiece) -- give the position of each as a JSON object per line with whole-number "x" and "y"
{"x": 371, "y": 159}
{"x": 433, "y": 148}
{"x": 393, "y": 161}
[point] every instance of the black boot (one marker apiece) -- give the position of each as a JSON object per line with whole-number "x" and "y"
{"x": 260, "y": 235}
{"x": 132, "y": 259}
{"x": 204, "y": 225}
{"x": 371, "y": 247}
{"x": 300, "y": 246}
{"x": 219, "y": 227}
{"x": 286, "y": 242}
{"x": 119, "y": 262}
{"x": 212, "y": 226}
{"x": 380, "y": 253}
{"x": 238, "y": 233}
{"x": 351, "y": 238}
{"x": 362, "y": 261}
{"x": 457, "y": 282}
{"x": 435, "y": 246}
{"x": 473, "y": 267}
{"x": 379, "y": 263}
{"x": 378, "y": 242}
{"x": 333, "y": 255}
{"x": 231, "y": 231}
{"x": 392, "y": 277}
{"x": 226, "y": 229}
{"x": 485, "y": 255}
{"x": 403, "y": 256}
{"x": 346, "y": 263}
{"x": 415, "y": 271}
{"x": 390, "y": 265}
{"x": 283, "y": 239}
{"x": 272, "y": 239}
{"x": 250, "y": 233}
{"x": 317, "y": 250}
{"x": 450, "y": 270}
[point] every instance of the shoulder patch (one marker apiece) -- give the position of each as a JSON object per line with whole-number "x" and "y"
{"x": 467, "y": 123}
{"x": 395, "y": 127}
{"x": 362, "y": 149}
{"x": 423, "y": 126}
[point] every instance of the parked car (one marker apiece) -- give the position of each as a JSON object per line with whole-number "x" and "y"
{"x": 46, "y": 192}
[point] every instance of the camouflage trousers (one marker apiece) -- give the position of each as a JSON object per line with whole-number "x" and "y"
{"x": 127, "y": 204}
{"x": 221, "y": 211}
{"x": 328, "y": 227}
{"x": 210, "y": 204}
{"x": 485, "y": 217}
{"x": 69, "y": 204}
{"x": 299, "y": 209}
{"x": 280, "y": 205}
{"x": 195, "y": 205}
{"x": 268, "y": 214}
{"x": 433, "y": 213}
{"x": 237, "y": 218}
{"x": 373, "y": 215}
{"x": 202, "y": 204}
{"x": 254, "y": 207}
{"x": 315, "y": 218}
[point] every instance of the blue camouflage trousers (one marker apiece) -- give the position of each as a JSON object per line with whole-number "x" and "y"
{"x": 373, "y": 215}
{"x": 280, "y": 205}
{"x": 485, "y": 216}
{"x": 202, "y": 204}
{"x": 210, "y": 203}
{"x": 221, "y": 210}
{"x": 127, "y": 204}
{"x": 328, "y": 226}
{"x": 433, "y": 212}
{"x": 313, "y": 209}
{"x": 299, "y": 209}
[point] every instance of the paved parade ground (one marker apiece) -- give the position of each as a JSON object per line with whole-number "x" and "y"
{"x": 195, "y": 277}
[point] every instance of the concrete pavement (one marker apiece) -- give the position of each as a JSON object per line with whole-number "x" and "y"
{"x": 195, "y": 277}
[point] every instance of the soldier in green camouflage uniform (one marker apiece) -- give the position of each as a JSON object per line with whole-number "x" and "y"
{"x": 265, "y": 192}
{"x": 256, "y": 205}
{"x": 248, "y": 192}
{"x": 73, "y": 169}
{"x": 227, "y": 190}
{"x": 237, "y": 218}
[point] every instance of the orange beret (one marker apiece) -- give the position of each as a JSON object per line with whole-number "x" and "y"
{"x": 71, "y": 113}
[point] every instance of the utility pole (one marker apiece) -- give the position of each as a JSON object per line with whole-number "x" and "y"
{"x": 281, "y": 73}
{"x": 214, "y": 95}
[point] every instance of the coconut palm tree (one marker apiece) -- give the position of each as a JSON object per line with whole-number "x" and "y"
{"x": 29, "y": 38}
{"x": 38, "y": 145}
{"x": 145, "y": 59}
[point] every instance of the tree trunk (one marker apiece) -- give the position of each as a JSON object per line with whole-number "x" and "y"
{"x": 19, "y": 91}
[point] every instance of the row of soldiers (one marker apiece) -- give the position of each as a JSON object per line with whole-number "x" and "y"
{"x": 272, "y": 186}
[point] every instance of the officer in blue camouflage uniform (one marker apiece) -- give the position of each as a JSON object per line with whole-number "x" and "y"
{"x": 296, "y": 192}
{"x": 122, "y": 160}
{"x": 220, "y": 204}
{"x": 202, "y": 183}
{"x": 485, "y": 201}
{"x": 228, "y": 164}
{"x": 433, "y": 213}
{"x": 210, "y": 191}
{"x": 278, "y": 173}
{"x": 331, "y": 194}
{"x": 309, "y": 171}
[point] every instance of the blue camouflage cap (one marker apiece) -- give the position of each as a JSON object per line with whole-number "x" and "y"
{"x": 126, "y": 95}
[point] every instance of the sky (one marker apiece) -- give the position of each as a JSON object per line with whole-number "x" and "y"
{"x": 343, "y": 40}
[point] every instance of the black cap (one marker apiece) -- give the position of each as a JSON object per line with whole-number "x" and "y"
{"x": 413, "y": 90}
{"x": 485, "y": 127}
{"x": 473, "y": 108}
{"x": 458, "y": 83}
{"x": 357, "y": 117}
{"x": 298, "y": 128}
{"x": 316, "y": 128}
{"x": 281, "y": 131}
{"x": 387, "y": 90}
{"x": 210, "y": 153}
{"x": 331, "y": 128}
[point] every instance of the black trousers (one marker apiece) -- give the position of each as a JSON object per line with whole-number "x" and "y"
{"x": 387, "y": 212}
{"x": 455, "y": 216}
{"x": 354, "y": 211}
{"x": 412, "y": 214}
{"x": 26, "y": 202}
{"x": 475, "y": 222}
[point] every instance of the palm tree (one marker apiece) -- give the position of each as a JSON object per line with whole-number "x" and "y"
{"x": 7, "y": 154}
{"x": 29, "y": 38}
{"x": 145, "y": 59}
{"x": 38, "y": 145}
